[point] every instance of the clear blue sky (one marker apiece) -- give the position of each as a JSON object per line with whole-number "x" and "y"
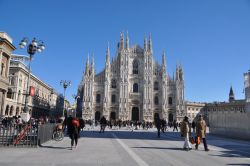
{"x": 211, "y": 38}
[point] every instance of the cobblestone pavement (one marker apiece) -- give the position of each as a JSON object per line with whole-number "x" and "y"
{"x": 129, "y": 148}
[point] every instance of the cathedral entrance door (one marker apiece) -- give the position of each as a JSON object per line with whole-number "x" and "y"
{"x": 135, "y": 113}
{"x": 170, "y": 117}
{"x": 112, "y": 116}
{"x": 97, "y": 115}
{"x": 156, "y": 116}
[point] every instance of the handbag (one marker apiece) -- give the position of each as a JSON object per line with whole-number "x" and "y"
{"x": 191, "y": 140}
{"x": 197, "y": 139}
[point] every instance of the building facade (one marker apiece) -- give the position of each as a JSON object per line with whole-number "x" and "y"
{"x": 43, "y": 100}
{"x": 133, "y": 86}
{"x": 193, "y": 109}
{"x": 247, "y": 89}
{"x": 6, "y": 48}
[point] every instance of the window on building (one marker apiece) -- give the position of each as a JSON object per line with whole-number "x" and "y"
{"x": 19, "y": 95}
{"x": 2, "y": 69}
{"x": 170, "y": 100}
{"x": 135, "y": 88}
{"x": 98, "y": 98}
{"x": 135, "y": 67}
{"x": 12, "y": 81}
{"x": 113, "y": 98}
{"x": 20, "y": 82}
{"x": 156, "y": 86}
{"x": 156, "y": 100}
{"x": 113, "y": 83}
{"x": 9, "y": 93}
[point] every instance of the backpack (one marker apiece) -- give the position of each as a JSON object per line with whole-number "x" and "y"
{"x": 75, "y": 122}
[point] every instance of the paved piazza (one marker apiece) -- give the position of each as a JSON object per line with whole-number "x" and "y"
{"x": 123, "y": 147}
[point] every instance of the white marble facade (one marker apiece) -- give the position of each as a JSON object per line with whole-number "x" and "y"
{"x": 133, "y": 86}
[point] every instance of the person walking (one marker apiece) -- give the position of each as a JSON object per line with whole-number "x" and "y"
{"x": 103, "y": 123}
{"x": 201, "y": 132}
{"x": 193, "y": 126}
{"x": 186, "y": 132}
{"x": 158, "y": 126}
{"x": 73, "y": 130}
{"x": 175, "y": 126}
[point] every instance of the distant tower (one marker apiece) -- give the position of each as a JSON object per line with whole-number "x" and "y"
{"x": 247, "y": 89}
{"x": 231, "y": 95}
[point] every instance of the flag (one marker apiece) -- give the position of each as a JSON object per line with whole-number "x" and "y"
{"x": 32, "y": 91}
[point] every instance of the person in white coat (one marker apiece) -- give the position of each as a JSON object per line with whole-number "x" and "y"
{"x": 186, "y": 133}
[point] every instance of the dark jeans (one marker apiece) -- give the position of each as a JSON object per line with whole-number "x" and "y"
{"x": 74, "y": 138}
{"x": 175, "y": 128}
{"x": 102, "y": 128}
{"x": 204, "y": 143}
{"x": 159, "y": 132}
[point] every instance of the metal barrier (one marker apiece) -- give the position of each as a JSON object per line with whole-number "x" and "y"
{"x": 25, "y": 135}
{"x": 45, "y": 133}
{"x": 18, "y": 135}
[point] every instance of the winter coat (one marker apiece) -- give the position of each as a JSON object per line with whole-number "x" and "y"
{"x": 185, "y": 128}
{"x": 201, "y": 128}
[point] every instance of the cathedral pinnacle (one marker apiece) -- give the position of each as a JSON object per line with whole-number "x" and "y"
{"x": 150, "y": 44}
{"x": 108, "y": 52}
{"x": 127, "y": 41}
{"x": 121, "y": 43}
{"x": 145, "y": 44}
{"x": 163, "y": 61}
{"x": 93, "y": 62}
{"x": 87, "y": 66}
{"x": 107, "y": 55}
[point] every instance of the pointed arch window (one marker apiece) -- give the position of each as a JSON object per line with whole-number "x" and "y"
{"x": 135, "y": 88}
{"x": 135, "y": 67}
{"x": 156, "y": 85}
{"x": 156, "y": 100}
{"x": 113, "y": 84}
{"x": 170, "y": 100}
{"x": 98, "y": 98}
{"x": 113, "y": 98}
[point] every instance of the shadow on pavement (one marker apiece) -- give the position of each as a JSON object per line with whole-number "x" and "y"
{"x": 54, "y": 147}
{"x": 159, "y": 148}
{"x": 240, "y": 164}
{"x": 141, "y": 135}
{"x": 234, "y": 153}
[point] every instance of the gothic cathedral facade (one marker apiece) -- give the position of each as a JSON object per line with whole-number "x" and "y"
{"x": 133, "y": 86}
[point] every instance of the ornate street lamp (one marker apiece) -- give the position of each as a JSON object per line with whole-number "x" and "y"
{"x": 65, "y": 85}
{"x": 75, "y": 97}
{"x": 32, "y": 48}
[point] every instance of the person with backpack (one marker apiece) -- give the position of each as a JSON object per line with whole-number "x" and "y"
{"x": 73, "y": 125}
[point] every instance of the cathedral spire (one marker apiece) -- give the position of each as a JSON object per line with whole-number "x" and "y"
{"x": 164, "y": 61}
{"x": 121, "y": 43}
{"x": 145, "y": 44}
{"x": 127, "y": 41}
{"x": 107, "y": 56}
{"x": 87, "y": 66}
{"x": 231, "y": 95}
{"x": 150, "y": 44}
{"x": 93, "y": 67}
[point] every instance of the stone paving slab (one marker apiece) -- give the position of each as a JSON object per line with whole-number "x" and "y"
{"x": 118, "y": 148}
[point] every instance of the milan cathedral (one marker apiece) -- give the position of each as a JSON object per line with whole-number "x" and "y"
{"x": 133, "y": 86}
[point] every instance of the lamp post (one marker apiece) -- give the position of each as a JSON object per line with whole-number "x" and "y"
{"x": 65, "y": 85}
{"x": 75, "y": 97}
{"x": 33, "y": 47}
